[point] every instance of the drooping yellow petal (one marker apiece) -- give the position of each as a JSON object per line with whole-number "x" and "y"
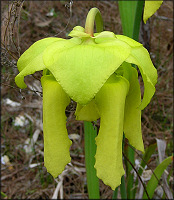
{"x": 132, "y": 114}
{"x": 56, "y": 141}
{"x": 150, "y": 8}
{"x": 111, "y": 101}
{"x": 89, "y": 112}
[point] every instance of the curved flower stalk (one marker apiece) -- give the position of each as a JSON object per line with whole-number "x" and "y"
{"x": 95, "y": 71}
{"x": 150, "y": 8}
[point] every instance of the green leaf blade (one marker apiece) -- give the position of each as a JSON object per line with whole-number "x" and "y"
{"x": 90, "y": 150}
{"x": 153, "y": 182}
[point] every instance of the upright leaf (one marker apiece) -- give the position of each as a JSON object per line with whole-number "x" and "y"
{"x": 153, "y": 182}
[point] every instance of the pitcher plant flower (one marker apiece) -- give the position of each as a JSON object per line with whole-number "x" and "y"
{"x": 150, "y": 8}
{"x": 94, "y": 70}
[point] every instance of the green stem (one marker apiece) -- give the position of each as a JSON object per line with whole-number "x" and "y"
{"x": 115, "y": 193}
{"x": 93, "y": 15}
{"x": 123, "y": 188}
{"x": 130, "y": 178}
{"x": 90, "y": 150}
{"x": 137, "y": 21}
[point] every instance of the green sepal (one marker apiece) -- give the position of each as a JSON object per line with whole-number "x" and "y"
{"x": 79, "y": 31}
{"x": 31, "y": 60}
{"x": 140, "y": 57}
{"x": 82, "y": 70}
{"x": 129, "y": 41}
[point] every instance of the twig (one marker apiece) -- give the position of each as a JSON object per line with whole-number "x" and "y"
{"x": 70, "y": 10}
{"x": 35, "y": 91}
{"x": 137, "y": 175}
{"x": 9, "y": 175}
{"x": 147, "y": 165}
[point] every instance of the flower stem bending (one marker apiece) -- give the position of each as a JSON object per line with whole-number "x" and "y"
{"x": 93, "y": 15}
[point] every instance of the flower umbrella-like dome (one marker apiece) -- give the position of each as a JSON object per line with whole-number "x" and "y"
{"x": 96, "y": 72}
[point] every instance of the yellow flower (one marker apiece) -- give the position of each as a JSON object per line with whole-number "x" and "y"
{"x": 150, "y": 8}
{"x": 96, "y": 72}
